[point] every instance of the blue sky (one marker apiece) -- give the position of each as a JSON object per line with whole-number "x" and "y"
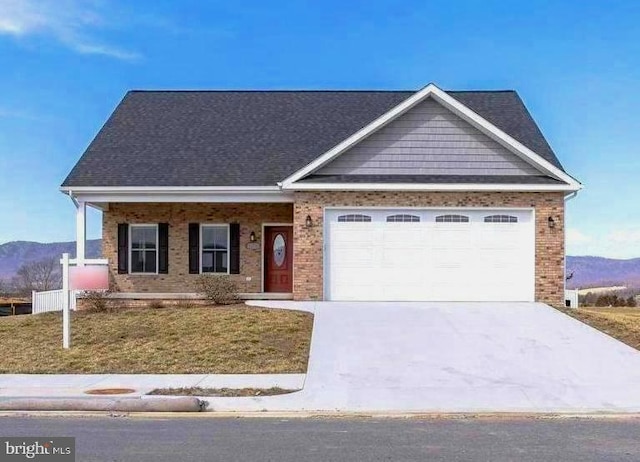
{"x": 65, "y": 64}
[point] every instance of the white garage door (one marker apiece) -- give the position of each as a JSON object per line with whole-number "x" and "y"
{"x": 439, "y": 255}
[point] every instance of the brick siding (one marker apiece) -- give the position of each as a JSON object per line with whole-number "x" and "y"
{"x": 549, "y": 261}
{"x": 308, "y": 242}
{"x": 179, "y": 215}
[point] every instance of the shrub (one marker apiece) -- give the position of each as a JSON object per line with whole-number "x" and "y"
{"x": 609, "y": 299}
{"x": 96, "y": 301}
{"x": 155, "y": 304}
{"x": 219, "y": 289}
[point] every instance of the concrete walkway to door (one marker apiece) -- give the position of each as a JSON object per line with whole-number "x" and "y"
{"x": 456, "y": 357}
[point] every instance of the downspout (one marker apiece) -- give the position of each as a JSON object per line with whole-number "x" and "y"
{"x": 570, "y": 196}
{"x": 567, "y": 198}
{"x": 73, "y": 199}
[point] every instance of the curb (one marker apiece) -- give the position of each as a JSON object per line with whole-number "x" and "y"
{"x": 179, "y": 414}
{"x": 183, "y": 404}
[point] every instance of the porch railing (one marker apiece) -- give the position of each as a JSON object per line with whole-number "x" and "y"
{"x": 51, "y": 300}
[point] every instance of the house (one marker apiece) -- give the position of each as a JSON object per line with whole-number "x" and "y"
{"x": 328, "y": 195}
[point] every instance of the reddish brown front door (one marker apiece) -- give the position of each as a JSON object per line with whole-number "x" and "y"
{"x": 278, "y": 259}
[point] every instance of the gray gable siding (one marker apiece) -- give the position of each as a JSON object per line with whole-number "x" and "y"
{"x": 428, "y": 140}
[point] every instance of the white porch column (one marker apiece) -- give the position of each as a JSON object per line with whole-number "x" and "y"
{"x": 81, "y": 231}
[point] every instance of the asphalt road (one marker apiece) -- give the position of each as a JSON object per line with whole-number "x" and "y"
{"x": 294, "y": 440}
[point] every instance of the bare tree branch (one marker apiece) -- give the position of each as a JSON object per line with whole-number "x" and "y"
{"x": 38, "y": 275}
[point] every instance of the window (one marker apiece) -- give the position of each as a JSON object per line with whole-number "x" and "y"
{"x": 402, "y": 218}
{"x": 452, "y": 219}
{"x": 354, "y": 218}
{"x": 144, "y": 249}
{"x": 214, "y": 249}
{"x": 279, "y": 250}
{"x": 500, "y": 219}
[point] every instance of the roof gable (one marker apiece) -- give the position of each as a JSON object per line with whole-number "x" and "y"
{"x": 428, "y": 139}
{"x": 431, "y": 91}
{"x": 252, "y": 138}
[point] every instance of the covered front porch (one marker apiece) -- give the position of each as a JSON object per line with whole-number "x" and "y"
{"x": 157, "y": 248}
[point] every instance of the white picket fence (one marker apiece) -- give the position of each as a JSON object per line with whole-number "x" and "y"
{"x": 51, "y": 300}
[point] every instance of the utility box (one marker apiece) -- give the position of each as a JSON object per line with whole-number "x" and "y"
{"x": 571, "y": 298}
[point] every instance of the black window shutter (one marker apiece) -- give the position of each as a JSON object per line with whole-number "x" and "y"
{"x": 163, "y": 248}
{"x": 123, "y": 248}
{"x": 194, "y": 248}
{"x": 234, "y": 248}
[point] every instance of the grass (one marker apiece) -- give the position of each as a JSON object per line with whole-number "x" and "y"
{"x": 620, "y": 323}
{"x": 233, "y": 339}
{"x": 223, "y": 392}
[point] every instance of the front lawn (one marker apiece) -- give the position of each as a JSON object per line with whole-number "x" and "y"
{"x": 620, "y": 323}
{"x": 233, "y": 339}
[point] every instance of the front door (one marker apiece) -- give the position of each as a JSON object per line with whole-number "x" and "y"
{"x": 278, "y": 259}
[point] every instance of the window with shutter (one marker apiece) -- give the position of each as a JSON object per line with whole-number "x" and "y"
{"x": 214, "y": 248}
{"x": 143, "y": 247}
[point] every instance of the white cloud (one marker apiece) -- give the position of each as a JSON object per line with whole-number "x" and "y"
{"x": 619, "y": 242}
{"x": 630, "y": 236}
{"x": 576, "y": 237}
{"x": 70, "y": 22}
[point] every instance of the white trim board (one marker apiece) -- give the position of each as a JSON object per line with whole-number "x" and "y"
{"x": 223, "y": 194}
{"x": 178, "y": 189}
{"x": 429, "y": 187}
{"x": 447, "y": 208}
{"x": 457, "y": 108}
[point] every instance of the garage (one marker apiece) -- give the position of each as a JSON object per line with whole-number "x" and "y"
{"x": 444, "y": 254}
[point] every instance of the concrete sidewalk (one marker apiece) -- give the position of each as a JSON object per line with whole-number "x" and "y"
{"x": 76, "y": 385}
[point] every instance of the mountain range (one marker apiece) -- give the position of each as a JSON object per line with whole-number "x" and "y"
{"x": 603, "y": 272}
{"x": 15, "y": 254}
{"x": 587, "y": 271}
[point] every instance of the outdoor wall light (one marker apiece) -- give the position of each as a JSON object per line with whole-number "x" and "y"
{"x": 252, "y": 236}
{"x": 308, "y": 222}
{"x": 552, "y": 222}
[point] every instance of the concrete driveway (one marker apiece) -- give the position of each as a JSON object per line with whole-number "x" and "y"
{"x": 459, "y": 357}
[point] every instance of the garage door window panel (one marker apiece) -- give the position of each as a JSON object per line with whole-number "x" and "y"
{"x": 500, "y": 219}
{"x": 452, "y": 218}
{"x": 403, "y": 218}
{"x": 354, "y": 218}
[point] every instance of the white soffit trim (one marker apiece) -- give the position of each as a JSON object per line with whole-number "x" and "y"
{"x": 179, "y": 194}
{"x": 459, "y": 109}
{"x": 429, "y": 187}
{"x": 164, "y": 189}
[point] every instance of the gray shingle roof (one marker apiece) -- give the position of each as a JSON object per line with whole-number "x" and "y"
{"x": 253, "y": 138}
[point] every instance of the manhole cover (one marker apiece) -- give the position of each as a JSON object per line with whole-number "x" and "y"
{"x": 109, "y": 391}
